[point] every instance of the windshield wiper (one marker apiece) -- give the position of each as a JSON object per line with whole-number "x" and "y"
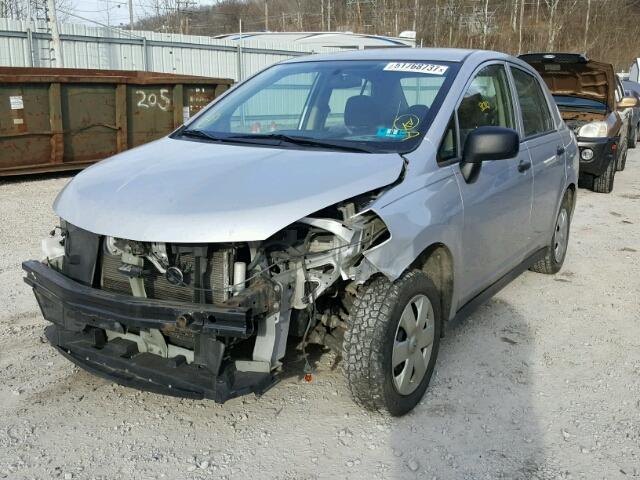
{"x": 304, "y": 141}
{"x": 194, "y": 132}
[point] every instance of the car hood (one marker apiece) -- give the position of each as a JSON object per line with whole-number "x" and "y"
{"x": 574, "y": 75}
{"x": 184, "y": 191}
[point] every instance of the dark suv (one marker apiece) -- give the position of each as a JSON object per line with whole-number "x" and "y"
{"x": 592, "y": 102}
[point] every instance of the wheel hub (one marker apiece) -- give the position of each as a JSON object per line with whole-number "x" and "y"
{"x": 413, "y": 343}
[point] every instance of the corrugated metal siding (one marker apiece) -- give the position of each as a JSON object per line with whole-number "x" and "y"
{"x": 102, "y": 48}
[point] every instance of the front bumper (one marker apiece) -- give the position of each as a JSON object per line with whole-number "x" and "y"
{"x": 80, "y": 314}
{"x": 604, "y": 151}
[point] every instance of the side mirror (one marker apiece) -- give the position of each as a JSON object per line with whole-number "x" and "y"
{"x": 485, "y": 144}
{"x": 490, "y": 143}
{"x": 627, "y": 102}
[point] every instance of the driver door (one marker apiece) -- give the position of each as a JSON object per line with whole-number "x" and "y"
{"x": 497, "y": 204}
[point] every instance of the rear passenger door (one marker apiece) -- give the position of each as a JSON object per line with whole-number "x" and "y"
{"x": 546, "y": 150}
{"x": 497, "y": 204}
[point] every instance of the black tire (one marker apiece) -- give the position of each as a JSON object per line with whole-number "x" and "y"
{"x": 622, "y": 161}
{"x": 585, "y": 180}
{"x": 633, "y": 137}
{"x": 368, "y": 346}
{"x": 552, "y": 261}
{"x": 604, "y": 182}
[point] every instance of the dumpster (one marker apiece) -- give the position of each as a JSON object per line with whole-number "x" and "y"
{"x": 65, "y": 119}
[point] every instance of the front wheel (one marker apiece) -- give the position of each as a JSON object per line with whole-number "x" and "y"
{"x": 604, "y": 182}
{"x": 556, "y": 251}
{"x": 391, "y": 345}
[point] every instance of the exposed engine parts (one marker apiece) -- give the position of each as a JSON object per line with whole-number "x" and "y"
{"x": 316, "y": 262}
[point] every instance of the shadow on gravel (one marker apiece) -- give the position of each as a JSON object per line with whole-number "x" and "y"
{"x": 476, "y": 419}
{"x": 37, "y": 177}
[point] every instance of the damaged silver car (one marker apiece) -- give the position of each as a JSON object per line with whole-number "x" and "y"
{"x": 361, "y": 201}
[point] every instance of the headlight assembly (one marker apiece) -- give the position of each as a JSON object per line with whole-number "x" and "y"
{"x": 593, "y": 130}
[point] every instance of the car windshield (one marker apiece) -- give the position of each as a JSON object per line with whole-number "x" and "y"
{"x": 564, "y": 101}
{"x": 369, "y": 106}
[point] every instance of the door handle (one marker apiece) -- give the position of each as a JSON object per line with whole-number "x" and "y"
{"x": 524, "y": 165}
{"x": 559, "y": 150}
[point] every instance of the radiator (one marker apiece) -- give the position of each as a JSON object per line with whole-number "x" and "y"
{"x": 206, "y": 280}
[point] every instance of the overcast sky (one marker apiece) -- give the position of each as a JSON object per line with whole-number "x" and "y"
{"x": 116, "y": 12}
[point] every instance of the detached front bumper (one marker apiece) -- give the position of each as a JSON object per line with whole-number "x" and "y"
{"x": 80, "y": 314}
{"x": 604, "y": 151}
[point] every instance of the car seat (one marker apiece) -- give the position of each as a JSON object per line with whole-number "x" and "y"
{"x": 362, "y": 115}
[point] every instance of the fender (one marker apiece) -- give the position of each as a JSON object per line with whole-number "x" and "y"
{"x": 417, "y": 220}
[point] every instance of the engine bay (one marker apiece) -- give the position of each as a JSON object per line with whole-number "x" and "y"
{"x": 299, "y": 284}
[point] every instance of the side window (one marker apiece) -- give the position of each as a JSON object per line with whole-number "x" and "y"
{"x": 536, "y": 118}
{"x": 449, "y": 146}
{"x": 619, "y": 91}
{"x": 487, "y": 102}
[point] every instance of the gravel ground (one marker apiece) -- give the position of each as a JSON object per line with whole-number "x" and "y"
{"x": 541, "y": 382}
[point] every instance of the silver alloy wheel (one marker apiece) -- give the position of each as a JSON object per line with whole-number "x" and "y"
{"x": 412, "y": 345}
{"x": 561, "y": 235}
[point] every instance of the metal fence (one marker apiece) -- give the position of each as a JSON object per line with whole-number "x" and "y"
{"x": 28, "y": 44}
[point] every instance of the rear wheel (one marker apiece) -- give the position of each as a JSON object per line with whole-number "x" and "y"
{"x": 604, "y": 182}
{"x": 633, "y": 137}
{"x": 391, "y": 345}
{"x": 622, "y": 161}
{"x": 556, "y": 251}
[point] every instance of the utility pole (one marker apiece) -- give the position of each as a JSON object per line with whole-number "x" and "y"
{"x": 586, "y": 27}
{"x": 30, "y": 35}
{"x": 240, "y": 59}
{"x": 55, "y": 35}
{"x": 130, "y": 14}
{"x": 266, "y": 15}
{"x": 329, "y": 15}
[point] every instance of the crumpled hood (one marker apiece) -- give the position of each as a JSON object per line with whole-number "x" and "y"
{"x": 183, "y": 191}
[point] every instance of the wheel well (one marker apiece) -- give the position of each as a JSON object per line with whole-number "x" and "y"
{"x": 437, "y": 262}
{"x": 571, "y": 190}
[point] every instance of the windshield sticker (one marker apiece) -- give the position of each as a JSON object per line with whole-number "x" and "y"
{"x": 391, "y": 133}
{"x": 426, "y": 68}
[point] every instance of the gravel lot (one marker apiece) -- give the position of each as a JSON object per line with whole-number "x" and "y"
{"x": 541, "y": 382}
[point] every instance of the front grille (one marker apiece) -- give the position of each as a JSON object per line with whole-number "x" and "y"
{"x": 206, "y": 280}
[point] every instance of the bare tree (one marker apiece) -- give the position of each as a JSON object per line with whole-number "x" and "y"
{"x": 552, "y": 5}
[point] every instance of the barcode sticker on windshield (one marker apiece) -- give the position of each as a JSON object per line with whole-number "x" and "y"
{"x": 427, "y": 68}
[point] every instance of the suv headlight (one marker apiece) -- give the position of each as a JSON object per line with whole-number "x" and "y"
{"x": 593, "y": 130}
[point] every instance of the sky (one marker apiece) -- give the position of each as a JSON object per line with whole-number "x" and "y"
{"x": 115, "y": 12}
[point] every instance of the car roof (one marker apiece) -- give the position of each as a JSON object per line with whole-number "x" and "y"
{"x": 403, "y": 54}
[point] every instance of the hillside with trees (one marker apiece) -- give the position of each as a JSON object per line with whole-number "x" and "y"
{"x": 604, "y": 29}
